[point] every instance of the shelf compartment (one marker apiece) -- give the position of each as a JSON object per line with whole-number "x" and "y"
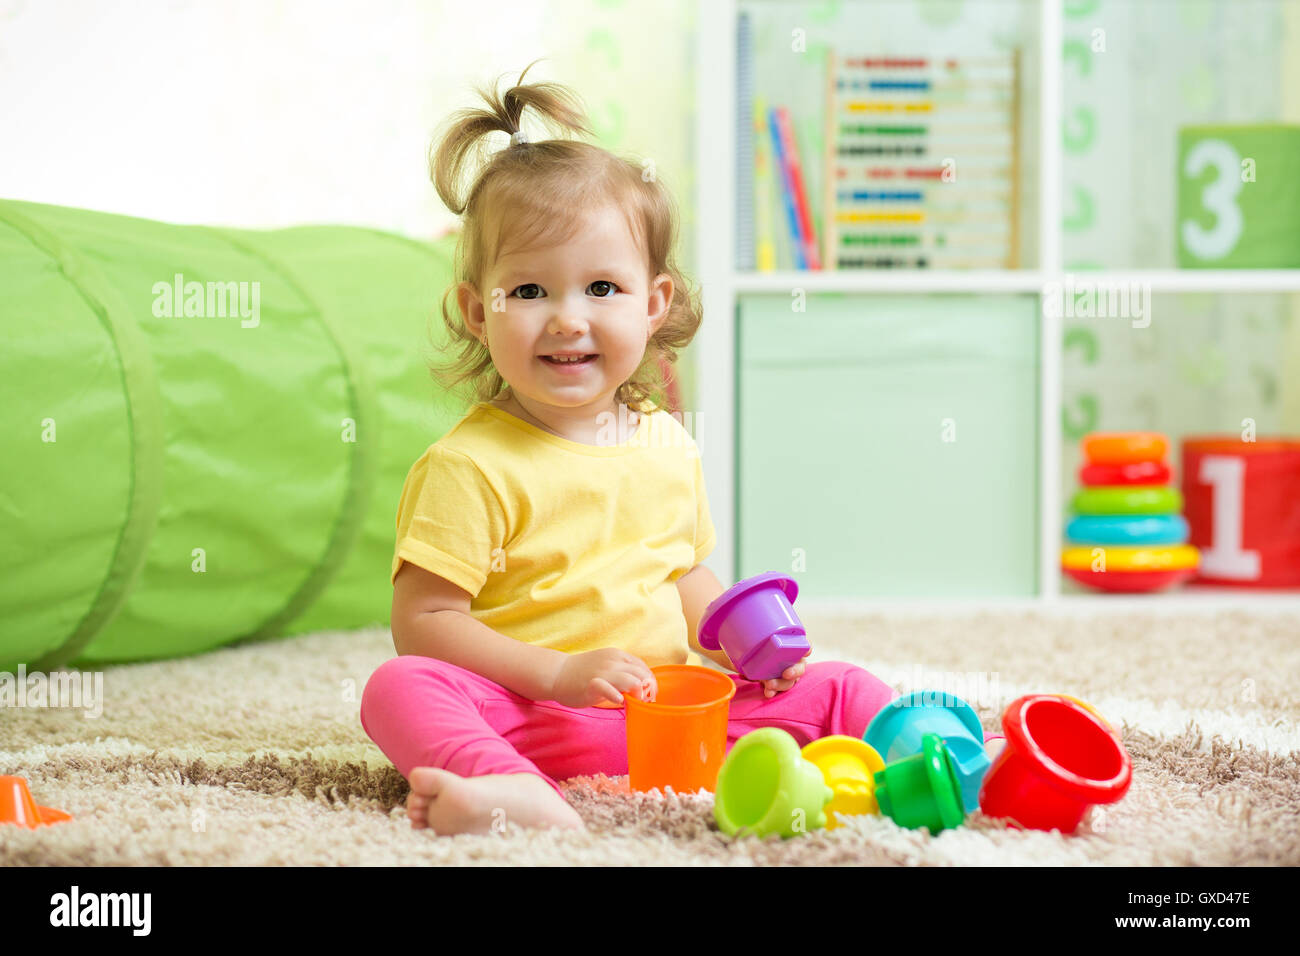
{"x": 861, "y": 403}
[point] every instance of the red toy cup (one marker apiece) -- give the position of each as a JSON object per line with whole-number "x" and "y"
{"x": 1059, "y": 760}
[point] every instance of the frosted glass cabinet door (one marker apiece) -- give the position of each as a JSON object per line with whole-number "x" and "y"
{"x": 888, "y": 444}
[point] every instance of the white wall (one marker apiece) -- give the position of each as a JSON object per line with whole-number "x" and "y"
{"x": 268, "y": 113}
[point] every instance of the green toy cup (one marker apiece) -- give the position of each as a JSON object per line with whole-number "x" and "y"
{"x": 922, "y": 790}
{"x": 766, "y": 786}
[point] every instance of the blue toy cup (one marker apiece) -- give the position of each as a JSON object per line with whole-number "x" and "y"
{"x": 897, "y": 732}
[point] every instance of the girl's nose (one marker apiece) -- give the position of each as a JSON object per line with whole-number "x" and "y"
{"x": 568, "y": 318}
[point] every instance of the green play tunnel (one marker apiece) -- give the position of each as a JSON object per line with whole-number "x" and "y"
{"x": 180, "y": 471}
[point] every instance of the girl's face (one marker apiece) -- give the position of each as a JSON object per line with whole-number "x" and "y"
{"x": 590, "y": 296}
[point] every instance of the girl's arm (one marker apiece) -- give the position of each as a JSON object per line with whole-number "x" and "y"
{"x": 698, "y": 588}
{"x": 431, "y": 618}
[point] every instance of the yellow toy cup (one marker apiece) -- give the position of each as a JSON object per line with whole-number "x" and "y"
{"x": 678, "y": 739}
{"x": 849, "y": 766}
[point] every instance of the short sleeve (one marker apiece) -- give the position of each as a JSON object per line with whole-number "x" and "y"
{"x": 705, "y": 537}
{"x": 449, "y": 520}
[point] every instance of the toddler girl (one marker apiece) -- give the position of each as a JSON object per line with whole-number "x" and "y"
{"x": 549, "y": 545}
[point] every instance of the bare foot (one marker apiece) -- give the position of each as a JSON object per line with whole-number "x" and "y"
{"x": 450, "y": 803}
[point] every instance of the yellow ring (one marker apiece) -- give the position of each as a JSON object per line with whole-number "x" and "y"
{"x": 1173, "y": 557}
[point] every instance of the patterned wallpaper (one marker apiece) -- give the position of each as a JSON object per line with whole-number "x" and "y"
{"x": 1206, "y": 362}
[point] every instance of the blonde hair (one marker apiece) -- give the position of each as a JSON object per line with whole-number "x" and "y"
{"x": 537, "y": 192}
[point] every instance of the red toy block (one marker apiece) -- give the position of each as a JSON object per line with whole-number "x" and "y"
{"x": 1242, "y": 504}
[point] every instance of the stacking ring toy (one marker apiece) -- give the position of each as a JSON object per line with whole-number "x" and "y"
{"x": 1120, "y": 448}
{"x": 1118, "y": 557}
{"x": 1127, "y": 529}
{"x": 1129, "y": 582}
{"x": 1128, "y": 500}
{"x": 1133, "y": 473}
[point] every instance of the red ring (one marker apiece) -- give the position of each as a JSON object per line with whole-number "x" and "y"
{"x": 1132, "y": 473}
{"x": 1129, "y": 582}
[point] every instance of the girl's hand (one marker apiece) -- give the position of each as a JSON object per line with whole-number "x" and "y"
{"x": 789, "y": 677}
{"x": 586, "y": 679}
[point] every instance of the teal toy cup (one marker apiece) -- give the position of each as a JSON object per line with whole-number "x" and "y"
{"x": 922, "y": 790}
{"x": 766, "y": 786}
{"x": 898, "y": 730}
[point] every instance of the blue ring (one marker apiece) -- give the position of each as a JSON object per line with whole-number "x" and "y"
{"x": 1128, "y": 529}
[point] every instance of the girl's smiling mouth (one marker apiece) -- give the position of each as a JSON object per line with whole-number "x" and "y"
{"x": 568, "y": 361}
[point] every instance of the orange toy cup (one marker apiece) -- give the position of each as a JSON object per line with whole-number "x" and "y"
{"x": 678, "y": 740}
{"x": 17, "y": 806}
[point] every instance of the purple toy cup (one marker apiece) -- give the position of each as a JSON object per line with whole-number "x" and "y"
{"x": 755, "y": 623}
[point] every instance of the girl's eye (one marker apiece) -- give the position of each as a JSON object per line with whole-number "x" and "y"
{"x": 601, "y": 288}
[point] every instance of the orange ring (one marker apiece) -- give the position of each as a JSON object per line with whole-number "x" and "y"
{"x": 1121, "y": 448}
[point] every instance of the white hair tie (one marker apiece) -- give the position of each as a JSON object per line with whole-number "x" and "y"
{"x": 517, "y": 137}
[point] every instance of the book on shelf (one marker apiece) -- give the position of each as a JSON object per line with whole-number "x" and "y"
{"x": 781, "y": 212}
{"x": 796, "y": 194}
{"x": 788, "y": 176}
{"x": 764, "y": 195}
{"x": 775, "y": 227}
{"x": 747, "y": 153}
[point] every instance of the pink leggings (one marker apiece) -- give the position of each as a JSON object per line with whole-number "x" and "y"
{"x": 424, "y": 712}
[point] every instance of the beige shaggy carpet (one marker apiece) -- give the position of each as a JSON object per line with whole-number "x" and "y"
{"x": 254, "y": 755}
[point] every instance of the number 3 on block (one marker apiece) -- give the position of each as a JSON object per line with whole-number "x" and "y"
{"x": 1238, "y": 203}
{"x": 1219, "y": 198}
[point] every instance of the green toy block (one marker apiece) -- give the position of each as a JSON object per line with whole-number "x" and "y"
{"x": 1239, "y": 197}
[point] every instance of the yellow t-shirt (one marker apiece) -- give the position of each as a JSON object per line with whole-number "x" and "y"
{"x": 562, "y": 544}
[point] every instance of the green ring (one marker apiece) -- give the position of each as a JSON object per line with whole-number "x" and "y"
{"x": 1127, "y": 500}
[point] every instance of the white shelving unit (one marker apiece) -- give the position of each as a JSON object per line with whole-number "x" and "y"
{"x": 721, "y": 286}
